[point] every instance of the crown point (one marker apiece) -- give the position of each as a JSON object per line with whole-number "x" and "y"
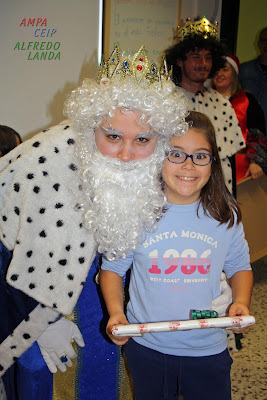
{"x": 104, "y": 81}
{"x": 134, "y": 68}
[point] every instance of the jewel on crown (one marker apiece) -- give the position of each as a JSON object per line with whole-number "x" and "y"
{"x": 202, "y": 27}
{"x": 134, "y": 67}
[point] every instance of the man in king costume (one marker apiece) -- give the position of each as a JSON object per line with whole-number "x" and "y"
{"x": 90, "y": 183}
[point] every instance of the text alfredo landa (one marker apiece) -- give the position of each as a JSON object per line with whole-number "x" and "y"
{"x": 39, "y": 50}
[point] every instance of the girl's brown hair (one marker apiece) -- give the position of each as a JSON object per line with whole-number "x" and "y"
{"x": 215, "y": 198}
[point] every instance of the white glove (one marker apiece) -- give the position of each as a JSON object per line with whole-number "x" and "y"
{"x": 221, "y": 303}
{"x": 55, "y": 343}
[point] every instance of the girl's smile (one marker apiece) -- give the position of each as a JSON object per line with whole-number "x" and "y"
{"x": 186, "y": 178}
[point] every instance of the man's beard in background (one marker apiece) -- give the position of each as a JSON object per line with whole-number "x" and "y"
{"x": 121, "y": 199}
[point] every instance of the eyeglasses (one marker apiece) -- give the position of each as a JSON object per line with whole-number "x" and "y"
{"x": 179, "y": 157}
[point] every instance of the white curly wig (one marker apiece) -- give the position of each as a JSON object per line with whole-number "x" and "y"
{"x": 162, "y": 105}
{"x": 121, "y": 199}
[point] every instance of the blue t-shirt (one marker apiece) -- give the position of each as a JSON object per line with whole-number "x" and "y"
{"x": 177, "y": 269}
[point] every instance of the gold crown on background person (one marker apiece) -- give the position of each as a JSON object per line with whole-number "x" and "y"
{"x": 202, "y": 27}
{"x": 135, "y": 67}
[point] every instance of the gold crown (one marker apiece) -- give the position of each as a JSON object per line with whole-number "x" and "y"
{"x": 202, "y": 27}
{"x": 135, "y": 67}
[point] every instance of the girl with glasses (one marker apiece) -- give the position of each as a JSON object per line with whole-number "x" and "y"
{"x": 176, "y": 269}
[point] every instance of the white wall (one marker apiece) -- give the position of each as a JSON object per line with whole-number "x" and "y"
{"x": 249, "y": 26}
{"x": 33, "y": 91}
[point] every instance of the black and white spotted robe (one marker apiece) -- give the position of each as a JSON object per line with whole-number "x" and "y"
{"x": 228, "y": 133}
{"x": 41, "y": 223}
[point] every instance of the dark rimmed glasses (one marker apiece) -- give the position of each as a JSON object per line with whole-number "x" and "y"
{"x": 179, "y": 157}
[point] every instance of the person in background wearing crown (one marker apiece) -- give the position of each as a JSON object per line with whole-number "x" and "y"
{"x": 253, "y": 160}
{"x": 195, "y": 58}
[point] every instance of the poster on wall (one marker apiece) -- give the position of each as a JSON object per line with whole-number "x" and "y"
{"x": 133, "y": 23}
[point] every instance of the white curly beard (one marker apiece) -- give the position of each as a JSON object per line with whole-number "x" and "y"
{"x": 121, "y": 200}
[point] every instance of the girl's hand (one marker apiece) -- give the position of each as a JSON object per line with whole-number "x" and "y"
{"x": 115, "y": 320}
{"x": 254, "y": 170}
{"x": 236, "y": 310}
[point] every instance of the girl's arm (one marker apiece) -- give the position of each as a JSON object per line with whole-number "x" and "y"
{"x": 112, "y": 288}
{"x": 241, "y": 284}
